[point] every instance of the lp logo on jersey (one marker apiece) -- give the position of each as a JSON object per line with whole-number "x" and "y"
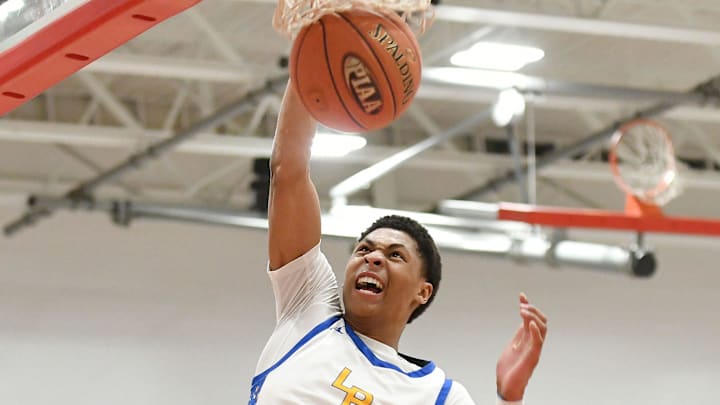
{"x": 353, "y": 395}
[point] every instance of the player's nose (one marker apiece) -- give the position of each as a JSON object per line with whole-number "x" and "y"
{"x": 374, "y": 258}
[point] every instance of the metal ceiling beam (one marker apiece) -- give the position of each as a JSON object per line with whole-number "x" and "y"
{"x": 108, "y": 100}
{"x": 189, "y": 69}
{"x": 171, "y": 68}
{"x": 252, "y": 147}
{"x": 435, "y": 91}
{"x": 538, "y": 85}
{"x": 577, "y": 25}
{"x": 555, "y": 94}
{"x": 590, "y": 26}
{"x": 85, "y": 189}
{"x": 222, "y": 46}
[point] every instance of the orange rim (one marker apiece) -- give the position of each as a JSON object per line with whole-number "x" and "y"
{"x": 665, "y": 183}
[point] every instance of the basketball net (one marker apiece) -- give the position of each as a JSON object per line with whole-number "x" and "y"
{"x": 643, "y": 162}
{"x": 292, "y": 15}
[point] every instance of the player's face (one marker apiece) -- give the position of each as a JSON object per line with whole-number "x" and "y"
{"x": 384, "y": 280}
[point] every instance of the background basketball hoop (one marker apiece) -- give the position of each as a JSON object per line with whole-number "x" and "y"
{"x": 643, "y": 163}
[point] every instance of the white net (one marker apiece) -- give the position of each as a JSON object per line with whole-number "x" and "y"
{"x": 292, "y": 15}
{"x": 644, "y": 162}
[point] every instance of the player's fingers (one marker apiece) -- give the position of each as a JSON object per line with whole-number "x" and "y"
{"x": 535, "y": 310}
{"x": 537, "y": 336}
{"x": 532, "y": 317}
{"x": 526, "y": 318}
{"x": 523, "y": 298}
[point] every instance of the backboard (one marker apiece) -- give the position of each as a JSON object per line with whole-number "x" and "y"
{"x": 45, "y": 41}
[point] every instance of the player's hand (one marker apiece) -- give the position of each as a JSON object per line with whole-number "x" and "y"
{"x": 522, "y": 354}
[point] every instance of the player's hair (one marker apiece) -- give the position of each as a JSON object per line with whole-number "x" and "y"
{"x": 432, "y": 265}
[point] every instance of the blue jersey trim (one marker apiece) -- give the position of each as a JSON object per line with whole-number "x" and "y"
{"x": 259, "y": 379}
{"x": 444, "y": 391}
{"x": 381, "y": 363}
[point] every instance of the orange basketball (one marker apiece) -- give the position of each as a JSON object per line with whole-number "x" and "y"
{"x": 356, "y": 71}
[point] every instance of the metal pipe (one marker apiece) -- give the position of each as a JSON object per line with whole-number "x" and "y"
{"x": 532, "y": 156}
{"x": 495, "y": 238}
{"x": 514, "y": 144}
{"x": 123, "y": 212}
{"x": 366, "y": 176}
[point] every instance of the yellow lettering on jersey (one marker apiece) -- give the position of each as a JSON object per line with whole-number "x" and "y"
{"x": 353, "y": 395}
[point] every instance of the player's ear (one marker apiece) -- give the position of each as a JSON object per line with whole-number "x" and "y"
{"x": 424, "y": 293}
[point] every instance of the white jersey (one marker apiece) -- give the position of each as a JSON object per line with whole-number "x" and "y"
{"x": 314, "y": 357}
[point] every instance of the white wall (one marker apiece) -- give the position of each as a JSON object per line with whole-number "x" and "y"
{"x": 175, "y": 314}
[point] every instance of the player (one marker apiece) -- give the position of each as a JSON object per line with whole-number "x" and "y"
{"x": 319, "y": 354}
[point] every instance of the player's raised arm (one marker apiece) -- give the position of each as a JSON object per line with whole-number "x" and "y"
{"x": 522, "y": 354}
{"x": 293, "y": 206}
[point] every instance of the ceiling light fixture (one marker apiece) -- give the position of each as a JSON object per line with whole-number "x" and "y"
{"x": 328, "y": 145}
{"x": 509, "y": 105}
{"x": 497, "y": 56}
{"x": 490, "y": 79}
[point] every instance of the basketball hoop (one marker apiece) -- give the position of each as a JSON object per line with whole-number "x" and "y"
{"x": 292, "y": 15}
{"x": 643, "y": 162}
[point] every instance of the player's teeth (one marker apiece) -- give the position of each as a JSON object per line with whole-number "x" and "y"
{"x": 370, "y": 281}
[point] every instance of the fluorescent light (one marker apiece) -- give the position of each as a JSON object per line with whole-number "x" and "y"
{"x": 9, "y": 6}
{"x": 482, "y": 78}
{"x": 336, "y": 145}
{"x": 497, "y": 56}
{"x": 510, "y": 104}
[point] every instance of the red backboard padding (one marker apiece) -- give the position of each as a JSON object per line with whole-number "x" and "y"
{"x": 68, "y": 44}
{"x": 600, "y": 219}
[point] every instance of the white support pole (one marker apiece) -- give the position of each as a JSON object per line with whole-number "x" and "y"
{"x": 531, "y": 158}
{"x": 267, "y": 102}
{"x": 172, "y": 68}
{"x": 172, "y": 115}
{"x": 90, "y": 112}
{"x": 426, "y": 123}
{"x": 108, "y": 100}
{"x": 366, "y": 176}
{"x": 196, "y": 187}
{"x": 220, "y": 44}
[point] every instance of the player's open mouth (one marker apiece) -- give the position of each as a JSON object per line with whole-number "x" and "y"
{"x": 369, "y": 285}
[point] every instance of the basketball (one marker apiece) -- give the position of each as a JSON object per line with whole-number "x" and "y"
{"x": 357, "y": 70}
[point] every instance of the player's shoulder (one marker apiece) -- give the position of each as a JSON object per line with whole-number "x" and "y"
{"x": 458, "y": 395}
